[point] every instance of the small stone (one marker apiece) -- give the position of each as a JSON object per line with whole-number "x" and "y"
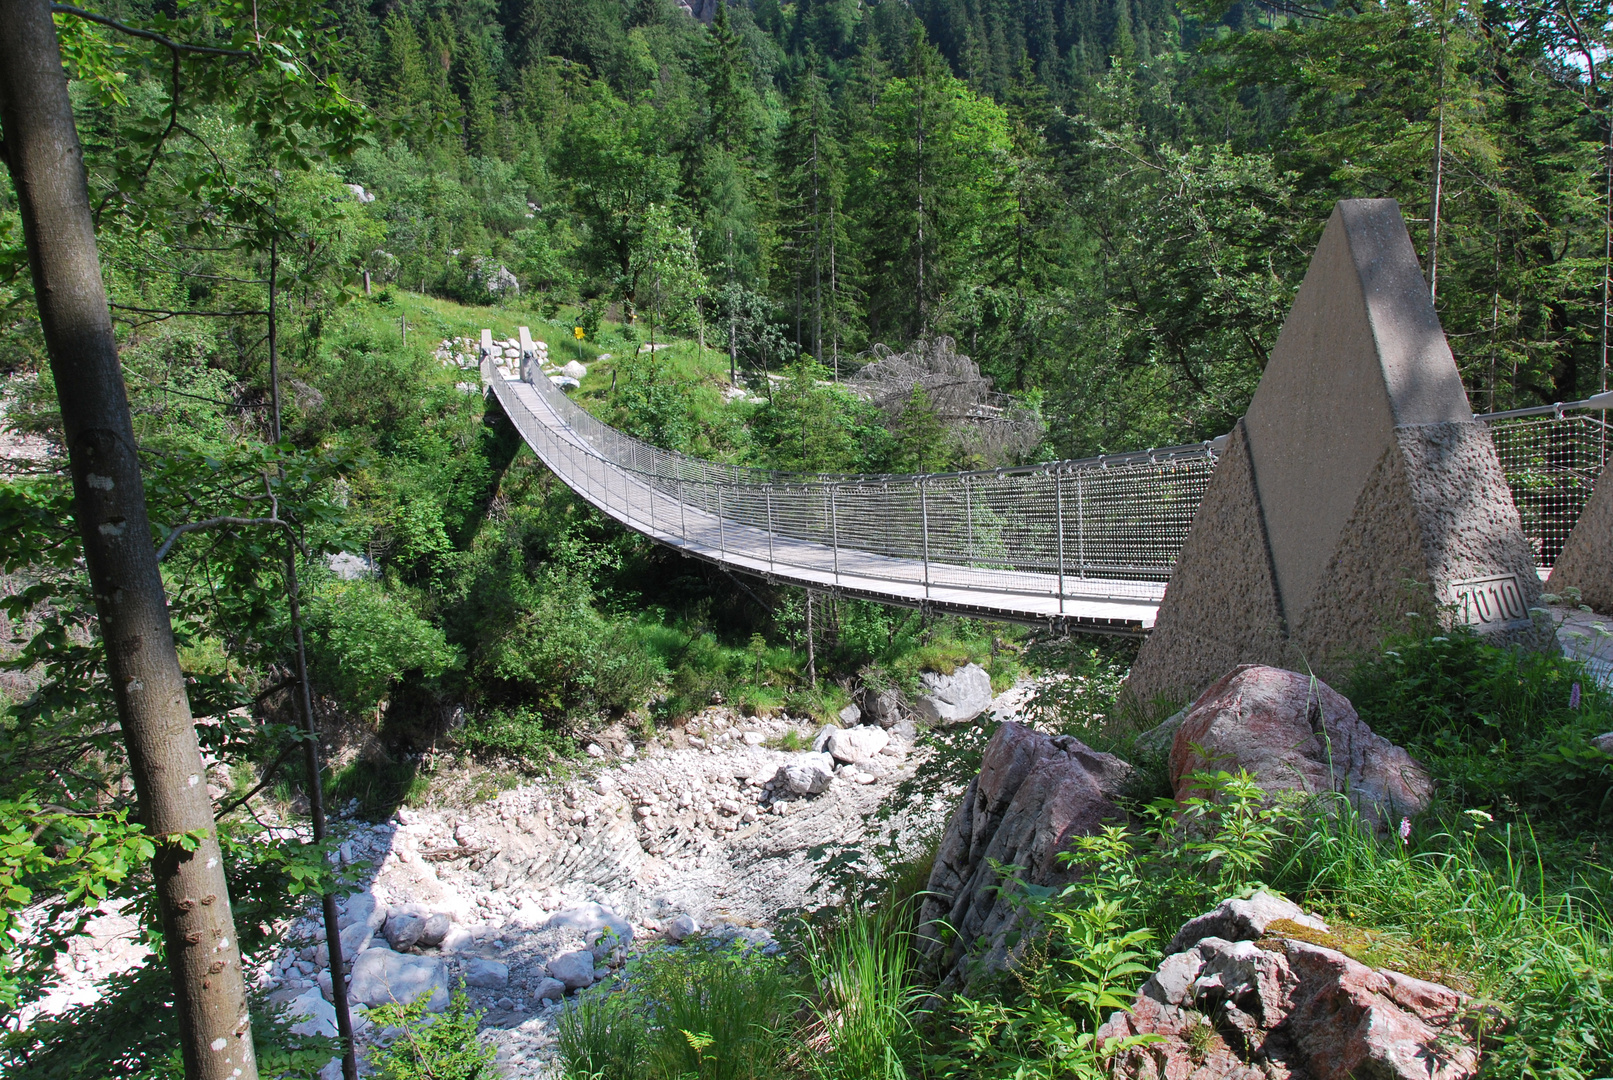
{"x": 594, "y": 750}
{"x": 381, "y": 975}
{"x": 548, "y": 990}
{"x": 821, "y": 739}
{"x": 1604, "y": 743}
{"x": 680, "y": 927}
{"x": 574, "y": 969}
{"x": 808, "y": 773}
{"x": 753, "y": 738}
{"x": 402, "y": 931}
{"x": 434, "y": 930}
{"x": 486, "y": 974}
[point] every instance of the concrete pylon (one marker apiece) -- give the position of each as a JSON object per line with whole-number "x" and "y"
{"x": 1586, "y": 561}
{"x": 1358, "y": 486}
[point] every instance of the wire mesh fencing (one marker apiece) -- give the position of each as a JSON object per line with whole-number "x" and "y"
{"x": 1107, "y": 526}
{"x": 1552, "y": 463}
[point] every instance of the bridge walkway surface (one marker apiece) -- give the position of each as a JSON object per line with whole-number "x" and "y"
{"x": 1086, "y": 544}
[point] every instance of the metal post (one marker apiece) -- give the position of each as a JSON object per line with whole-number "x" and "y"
{"x": 924, "y": 517}
{"x": 834, "y": 533}
{"x": 683, "y": 513}
{"x": 722, "y": 537}
{"x": 767, "y": 492}
{"x": 1058, "y": 512}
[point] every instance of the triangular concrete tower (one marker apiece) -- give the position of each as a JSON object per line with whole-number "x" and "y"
{"x": 1586, "y": 561}
{"x": 1358, "y": 473}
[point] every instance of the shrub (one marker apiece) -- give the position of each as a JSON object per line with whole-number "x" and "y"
{"x": 364, "y": 638}
{"x": 1498, "y": 726}
{"x": 443, "y": 1047}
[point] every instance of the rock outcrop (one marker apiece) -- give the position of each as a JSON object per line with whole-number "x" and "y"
{"x": 1274, "y": 1003}
{"x": 1295, "y": 733}
{"x": 956, "y": 698}
{"x": 1034, "y": 794}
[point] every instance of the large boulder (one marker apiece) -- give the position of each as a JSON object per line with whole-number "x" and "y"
{"x": 808, "y": 773}
{"x": 855, "y": 745}
{"x": 1277, "y": 1001}
{"x": 381, "y": 976}
{"x": 955, "y": 698}
{"x": 1295, "y": 733}
{"x": 1034, "y": 795}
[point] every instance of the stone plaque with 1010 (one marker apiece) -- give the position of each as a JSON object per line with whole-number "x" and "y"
{"x": 1489, "y": 603}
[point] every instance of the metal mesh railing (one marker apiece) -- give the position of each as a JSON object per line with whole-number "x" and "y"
{"x": 1552, "y": 463}
{"x": 1106, "y": 528}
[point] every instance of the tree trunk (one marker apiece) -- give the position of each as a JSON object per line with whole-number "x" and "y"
{"x": 46, "y": 163}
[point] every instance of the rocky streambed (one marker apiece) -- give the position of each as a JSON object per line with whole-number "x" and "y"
{"x": 548, "y": 888}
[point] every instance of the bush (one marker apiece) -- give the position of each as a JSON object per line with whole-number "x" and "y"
{"x": 867, "y": 1001}
{"x": 363, "y": 639}
{"x": 443, "y": 1047}
{"x": 1499, "y": 727}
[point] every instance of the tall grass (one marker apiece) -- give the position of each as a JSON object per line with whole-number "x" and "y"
{"x": 693, "y": 1013}
{"x": 865, "y": 1003}
{"x": 1536, "y": 942}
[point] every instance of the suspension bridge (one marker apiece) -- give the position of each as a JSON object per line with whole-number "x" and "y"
{"x": 1082, "y": 544}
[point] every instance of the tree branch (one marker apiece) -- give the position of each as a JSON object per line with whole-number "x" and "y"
{"x": 134, "y": 31}
{"x": 213, "y": 523}
{"x": 268, "y": 775}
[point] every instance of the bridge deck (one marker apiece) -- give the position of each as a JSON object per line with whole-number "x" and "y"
{"x": 642, "y": 502}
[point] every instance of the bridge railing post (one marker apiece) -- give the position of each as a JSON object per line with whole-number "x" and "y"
{"x": 834, "y": 533}
{"x": 1058, "y": 514}
{"x": 1081, "y": 528}
{"x": 722, "y": 532}
{"x": 924, "y": 519}
{"x": 767, "y": 492}
{"x": 969, "y": 523}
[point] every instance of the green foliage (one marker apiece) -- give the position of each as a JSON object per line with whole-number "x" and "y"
{"x": 869, "y": 1004}
{"x": 68, "y": 861}
{"x": 1497, "y": 726}
{"x": 697, "y": 1012}
{"x": 363, "y": 638}
{"x": 432, "y": 1047}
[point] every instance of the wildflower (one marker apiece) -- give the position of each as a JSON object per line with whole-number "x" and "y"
{"x": 1479, "y": 817}
{"x": 1439, "y": 639}
{"x": 1573, "y": 697}
{"x": 1405, "y": 829}
{"x": 577, "y": 332}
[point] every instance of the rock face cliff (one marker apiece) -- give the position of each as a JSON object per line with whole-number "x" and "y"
{"x": 1034, "y": 795}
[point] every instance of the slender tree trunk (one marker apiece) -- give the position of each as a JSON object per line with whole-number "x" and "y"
{"x": 305, "y": 702}
{"x": 46, "y": 162}
{"x": 817, "y": 253}
{"x": 834, "y": 294}
{"x": 918, "y": 89}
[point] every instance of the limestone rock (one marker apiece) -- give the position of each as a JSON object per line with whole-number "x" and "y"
{"x": 680, "y": 927}
{"x": 590, "y": 917}
{"x": 882, "y": 707}
{"x": 851, "y": 715}
{"x": 1278, "y": 1006}
{"x": 1604, "y": 743}
{"x": 1295, "y": 734}
{"x": 1034, "y": 794}
{"x": 434, "y": 930}
{"x": 574, "y": 969}
{"x": 574, "y": 370}
{"x": 821, "y": 739}
{"x": 548, "y": 989}
{"x": 808, "y": 773}
{"x": 403, "y": 930}
{"x": 955, "y": 698}
{"x": 486, "y": 974}
{"x": 363, "y": 908}
{"x": 316, "y": 1015}
{"x": 858, "y": 744}
{"x": 381, "y": 976}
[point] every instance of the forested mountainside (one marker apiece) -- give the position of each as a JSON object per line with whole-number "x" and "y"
{"x": 1107, "y": 204}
